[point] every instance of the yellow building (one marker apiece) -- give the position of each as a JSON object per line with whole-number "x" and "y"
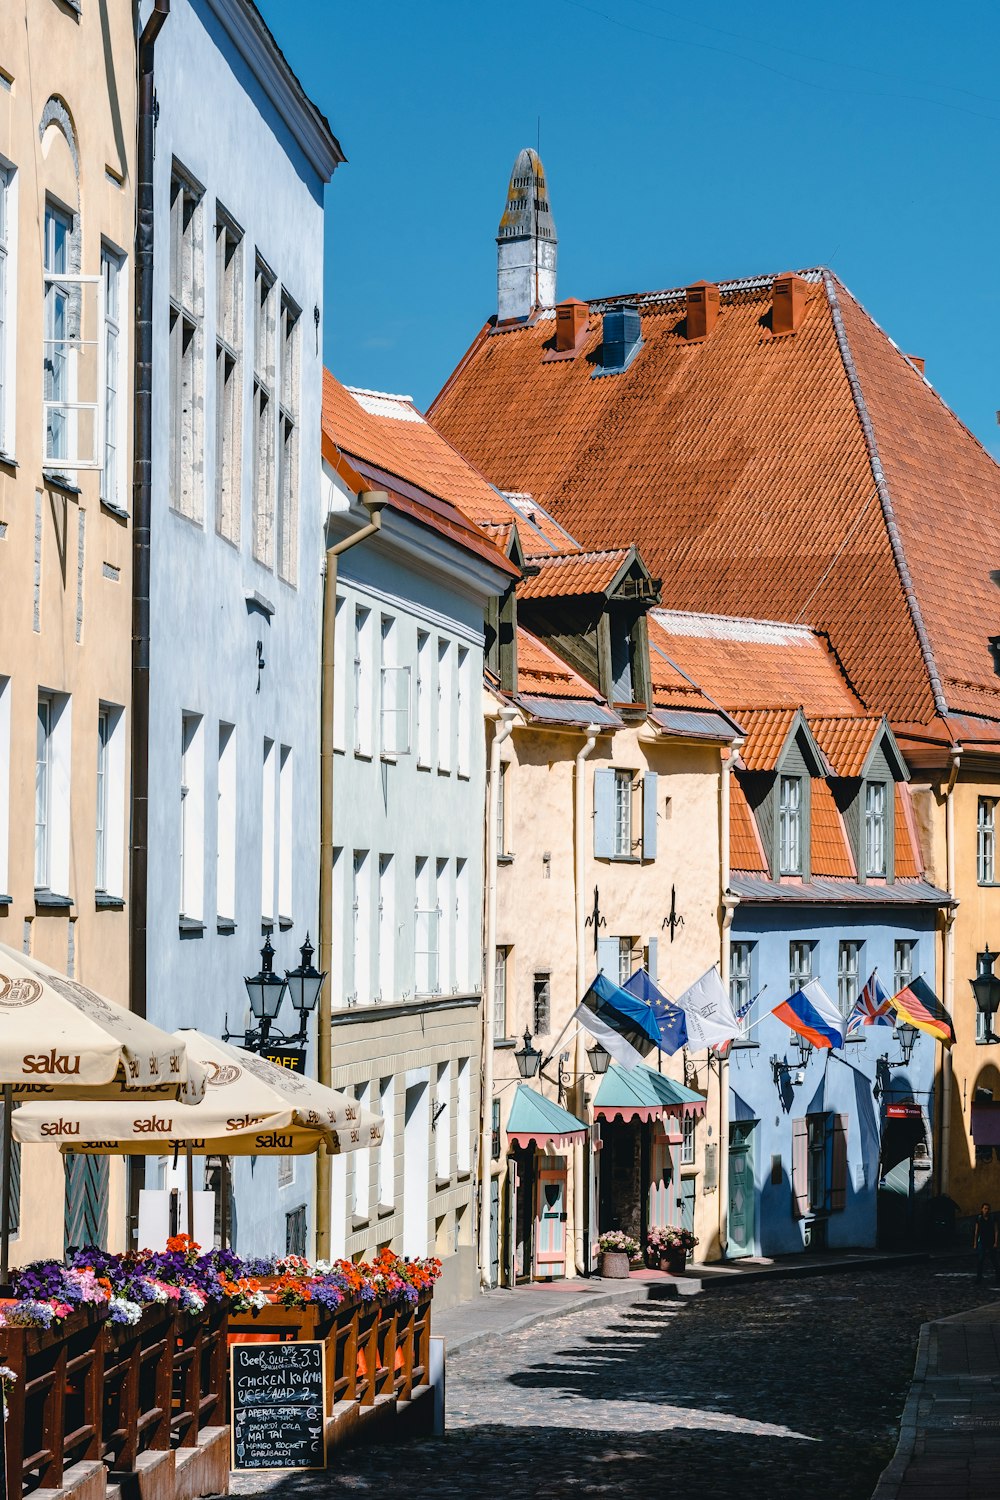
{"x": 67, "y": 207}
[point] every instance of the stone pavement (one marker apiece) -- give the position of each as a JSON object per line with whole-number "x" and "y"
{"x": 949, "y": 1442}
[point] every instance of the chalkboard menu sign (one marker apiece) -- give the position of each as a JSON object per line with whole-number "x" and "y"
{"x": 277, "y": 1405}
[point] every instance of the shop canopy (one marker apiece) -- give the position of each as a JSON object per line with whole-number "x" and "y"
{"x": 640, "y": 1094}
{"x": 533, "y": 1119}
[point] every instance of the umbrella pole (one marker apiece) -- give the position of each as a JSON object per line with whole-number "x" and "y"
{"x": 8, "y": 1152}
{"x": 224, "y": 1206}
{"x": 190, "y": 1190}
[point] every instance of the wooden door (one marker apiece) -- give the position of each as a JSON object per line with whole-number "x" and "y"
{"x": 550, "y": 1217}
{"x": 742, "y": 1192}
{"x": 687, "y": 1203}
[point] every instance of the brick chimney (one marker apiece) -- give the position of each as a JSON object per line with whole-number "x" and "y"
{"x": 702, "y": 309}
{"x": 572, "y": 321}
{"x": 788, "y": 303}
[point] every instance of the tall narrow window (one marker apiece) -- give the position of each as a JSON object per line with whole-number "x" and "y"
{"x": 268, "y": 809}
{"x": 43, "y": 789}
{"x": 362, "y": 1163}
{"x": 424, "y": 686}
{"x": 848, "y": 975}
{"x": 741, "y": 984}
{"x": 463, "y": 978}
{"x": 187, "y": 298}
{"x": 5, "y": 785}
{"x": 445, "y": 911}
{"x": 442, "y": 1123}
{"x": 903, "y": 950}
{"x": 101, "y": 811}
{"x": 192, "y": 820}
{"x": 625, "y": 950}
{"x": 446, "y": 695}
{"x": 875, "y": 828}
{"x": 799, "y": 965}
{"x": 6, "y": 281}
{"x": 111, "y": 469}
{"x": 500, "y": 993}
{"x": 364, "y": 671}
{"x": 463, "y": 1117}
{"x": 225, "y": 876}
{"x": 59, "y": 319}
{"x": 426, "y": 930}
{"x": 340, "y": 645}
{"x": 386, "y": 928}
{"x": 361, "y": 915}
{"x": 263, "y": 415}
{"x": 394, "y": 700}
{"x": 986, "y": 837}
{"x": 464, "y": 763}
{"x": 387, "y": 1150}
{"x": 501, "y": 809}
{"x": 542, "y": 1003}
{"x": 228, "y": 375}
{"x": 623, "y": 814}
{"x": 288, "y": 436}
{"x": 790, "y": 825}
{"x": 286, "y": 832}
{"x": 688, "y": 1141}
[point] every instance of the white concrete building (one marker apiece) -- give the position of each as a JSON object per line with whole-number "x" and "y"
{"x": 236, "y": 544}
{"x": 408, "y": 830}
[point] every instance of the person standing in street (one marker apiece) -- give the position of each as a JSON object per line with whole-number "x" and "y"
{"x": 985, "y": 1235}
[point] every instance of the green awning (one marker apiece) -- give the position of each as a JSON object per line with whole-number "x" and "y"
{"x": 535, "y": 1119}
{"x": 640, "y": 1094}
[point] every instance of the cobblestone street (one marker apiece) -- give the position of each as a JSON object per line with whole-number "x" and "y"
{"x": 790, "y": 1388}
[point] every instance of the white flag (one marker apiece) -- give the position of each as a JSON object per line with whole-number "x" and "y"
{"x": 710, "y": 1016}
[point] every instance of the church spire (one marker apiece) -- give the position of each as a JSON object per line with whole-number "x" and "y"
{"x": 526, "y": 242}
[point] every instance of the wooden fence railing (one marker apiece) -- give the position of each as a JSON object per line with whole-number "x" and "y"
{"x": 89, "y": 1389}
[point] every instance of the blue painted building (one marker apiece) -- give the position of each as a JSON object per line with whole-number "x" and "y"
{"x": 826, "y": 1147}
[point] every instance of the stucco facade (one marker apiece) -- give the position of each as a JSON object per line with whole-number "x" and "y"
{"x": 241, "y": 158}
{"x": 67, "y": 203}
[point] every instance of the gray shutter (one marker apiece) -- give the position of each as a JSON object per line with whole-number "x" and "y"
{"x": 800, "y": 1168}
{"x": 604, "y": 814}
{"x": 838, "y": 1175}
{"x": 86, "y": 1216}
{"x": 607, "y": 957}
{"x": 649, "y": 785}
{"x": 653, "y": 946}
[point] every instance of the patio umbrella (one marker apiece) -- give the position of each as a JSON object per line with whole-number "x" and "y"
{"x": 61, "y": 1040}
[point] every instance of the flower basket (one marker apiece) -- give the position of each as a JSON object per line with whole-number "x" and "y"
{"x": 674, "y": 1261}
{"x": 614, "y": 1265}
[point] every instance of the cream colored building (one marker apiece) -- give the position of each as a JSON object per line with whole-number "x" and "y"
{"x": 67, "y": 207}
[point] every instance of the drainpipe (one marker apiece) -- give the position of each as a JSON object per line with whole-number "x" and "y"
{"x": 142, "y": 463}
{"x": 581, "y": 1153}
{"x": 374, "y": 502}
{"x": 501, "y": 732}
{"x": 729, "y": 905}
{"x": 949, "y": 966}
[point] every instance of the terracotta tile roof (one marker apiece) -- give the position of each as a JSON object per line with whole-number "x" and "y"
{"x": 388, "y": 440}
{"x": 540, "y": 671}
{"x": 671, "y": 688}
{"x": 811, "y": 475}
{"x": 746, "y": 852}
{"x": 766, "y": 730}
{"x": 830, "y": 850}
{"x": 846, "y": 742}
{"x": 770, "y": 664}
{"x": 570, "y": 574}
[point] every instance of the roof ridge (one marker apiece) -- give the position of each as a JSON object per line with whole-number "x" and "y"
{"x": 830, "y": 284}
{"x": 581, "y": 552}
{"x": 701, "y": 614}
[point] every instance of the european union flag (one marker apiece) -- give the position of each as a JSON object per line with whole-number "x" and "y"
{"x": 672, "y": 1020}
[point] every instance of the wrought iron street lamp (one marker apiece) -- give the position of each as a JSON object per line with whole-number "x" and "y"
{"x": 906, "y": 1035}
{"x": 986, "y": 988}
{"x": 803, "y": 1047}
{"x": 266, "y": 992}
{"x": 528, "y": 1058}
{"x": 304, "y": 984}
{"x": 599, "y": 1058}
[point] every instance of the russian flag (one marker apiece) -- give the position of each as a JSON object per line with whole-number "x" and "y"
{"x": 812, "y": 1013}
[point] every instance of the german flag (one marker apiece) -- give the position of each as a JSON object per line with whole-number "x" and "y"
{"x": 918, "y": 1004}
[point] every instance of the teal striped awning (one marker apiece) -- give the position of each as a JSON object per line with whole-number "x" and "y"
{"x": 533, "y": 1119}
{"x": 640, "y": 1094}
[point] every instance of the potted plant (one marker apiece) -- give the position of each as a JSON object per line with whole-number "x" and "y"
{"x": 617, "y": 1251}
{"x": 668, "y": 1248}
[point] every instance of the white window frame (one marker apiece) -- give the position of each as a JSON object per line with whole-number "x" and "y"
{"x": 361, "y": 1161}
{"x": 363, "y": 682}
{"x": 386, "y": 928}
{"x": 228, "y": 377}
{"x": 790, "y": 825}
{"x": 903, "y": 953}
{"x": 986, "y": 841}
{"x": 8, "y": 307}
{"x": 465, "y": 707}
{"x": 848, "y": 973}
{"x": 192, "y": 818}
{"x": 43, "y": 791}
{"x": 394, "y": 696}
{"x": 741, "y": 983}
{"x": 442, "y": 1123}
{"x": 101, "y": 799}
{"x": 800, "y": 964}
{"x": 463, "y": 979}
{"x": 623, "y": 814}
{"x": 425, "y": 685}
{"x": 53, "y": 780}
{"x": 501, "y": 959}
{"x": 187, "y": 350}
{"x": 115, "y": 383}
{"x": 446, "y": 704}
{"x": 226, "y": 820}
{"x": 361, "y": 927}
{"x": 5, "y": 697}
{"x": 445, "y": 904}
{"x": 387, "y": 1148}
{"x": 340, "y": 675}
{"x": 501, "y": 809}
{"x": 263, "y": 413}
{"x": 688, "y": 1126}
{"x": 286, "y": 833}
{"x": 426, "y": 943}
{"x": 287, "y": 500}
{"x": 463, "y": 1117}
{"x": 876, "y": 829}
{"x": 268, "y": 829}
{"x": 626, "y": 949}
{"x": 67, "y": 351}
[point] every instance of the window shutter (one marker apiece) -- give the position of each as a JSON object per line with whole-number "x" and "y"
{"x": 607, "y": 957}
{"x": 649, "y": 784}
{"x": 800, "y": 1168}
{"x": 652, "y": 947}
{"x": 604, "y": 814}
{"x": 838, "y": 1181}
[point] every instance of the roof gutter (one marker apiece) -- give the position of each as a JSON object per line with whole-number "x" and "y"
{"x": 885, "y": 499}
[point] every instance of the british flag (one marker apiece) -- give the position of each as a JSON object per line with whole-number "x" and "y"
{"x": 873, "y": 1007}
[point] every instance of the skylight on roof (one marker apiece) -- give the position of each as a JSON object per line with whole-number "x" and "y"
{"x": 382, "y": 404}
{"x": 731, "y": 628}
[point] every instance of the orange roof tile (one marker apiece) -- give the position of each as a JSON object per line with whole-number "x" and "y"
{"x": 746, "y": 852}
{"x": 846, "y": 742}
{"x": 811, "y": 475}
{"x": 570, "y": 574}
{"x": 766, "y": 730}
{"x": 830, "y": 850}
{"x": 542, "y": 672}
{"x": 671, "y": 688}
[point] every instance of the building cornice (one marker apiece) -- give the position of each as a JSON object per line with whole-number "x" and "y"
{"x": 425, "y": 551}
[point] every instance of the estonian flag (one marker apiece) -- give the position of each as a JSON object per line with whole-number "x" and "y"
{"x": 918, "y": 1004}
{"x": 670, "y": 1018}
{"x": 625, "y": 1026}
{"x": 812, "y": 1013}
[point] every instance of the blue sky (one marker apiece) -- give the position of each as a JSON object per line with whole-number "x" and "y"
{"x": 680, "y": 142}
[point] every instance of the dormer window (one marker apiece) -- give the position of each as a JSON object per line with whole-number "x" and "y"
{"x": 790, "y": 825}
{"x": 875, "y": 828}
